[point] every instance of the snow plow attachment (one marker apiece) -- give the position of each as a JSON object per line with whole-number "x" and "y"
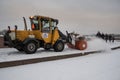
{"x": 76, "y": 42}
{"x": 80, "y": 45}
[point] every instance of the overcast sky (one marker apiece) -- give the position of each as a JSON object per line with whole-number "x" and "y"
{"x": 87, "y": 16}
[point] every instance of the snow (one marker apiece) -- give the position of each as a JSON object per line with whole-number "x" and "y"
{"x": 100, "y": 66}
{"x": 11, "y": 54}
{"x": 1, "y": 35}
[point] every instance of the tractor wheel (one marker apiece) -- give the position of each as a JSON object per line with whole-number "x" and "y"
{"x": 59, "y": 46}
{"x": 30, "y": 47}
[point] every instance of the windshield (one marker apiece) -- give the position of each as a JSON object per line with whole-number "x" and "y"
{"x": 53, "y": 24}
{"x": 45, "y": 26}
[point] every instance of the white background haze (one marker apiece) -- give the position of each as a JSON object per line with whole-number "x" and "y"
{"x": 82, "y": 16}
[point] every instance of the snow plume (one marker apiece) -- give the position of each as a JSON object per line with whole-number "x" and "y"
{"x": 98, "y": 44}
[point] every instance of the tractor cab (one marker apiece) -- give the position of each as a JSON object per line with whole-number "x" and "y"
{"x": 44, "y": 24}
{"x": 45, "y": 28}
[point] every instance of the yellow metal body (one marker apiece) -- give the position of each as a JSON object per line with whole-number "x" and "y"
{"x": 48, "y": 37}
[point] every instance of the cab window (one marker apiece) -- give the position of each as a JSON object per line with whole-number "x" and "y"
{"x": 34, "y": 25}
{"x": 45, "y": 26}
{"x": 53, "y": 24}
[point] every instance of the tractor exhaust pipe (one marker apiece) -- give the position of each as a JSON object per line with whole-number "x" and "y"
{"x": 25, "y": 23}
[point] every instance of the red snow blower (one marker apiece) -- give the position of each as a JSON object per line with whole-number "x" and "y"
{"x": 75, "y": 42}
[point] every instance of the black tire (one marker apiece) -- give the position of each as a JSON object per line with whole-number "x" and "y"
{"x": 59, "y": 46}
{"x": 30, "y": 47}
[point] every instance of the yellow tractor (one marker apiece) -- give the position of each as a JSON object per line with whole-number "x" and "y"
{"x": 44, "y": 33}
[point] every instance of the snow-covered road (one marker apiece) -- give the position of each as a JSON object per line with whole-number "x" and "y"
{"x": 100, "y": 66}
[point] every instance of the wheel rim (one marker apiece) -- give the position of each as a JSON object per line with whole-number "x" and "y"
{"x": 60, "y": 46}
{"x": 31, "y": 47}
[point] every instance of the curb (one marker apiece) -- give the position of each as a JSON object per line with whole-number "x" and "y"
{"x": 44, "y": 59}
